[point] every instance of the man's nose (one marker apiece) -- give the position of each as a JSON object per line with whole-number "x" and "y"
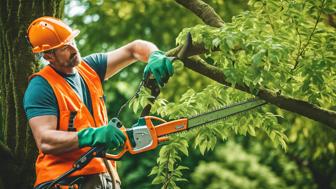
{"x": 72, "y": 47}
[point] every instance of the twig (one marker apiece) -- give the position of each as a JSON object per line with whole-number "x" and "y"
{"x": 300, "y": 42}
{"x": 302, "y": 52}
{"x": 168, "y": 176}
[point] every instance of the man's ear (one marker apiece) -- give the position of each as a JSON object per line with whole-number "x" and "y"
{"x": 50, "y": 57}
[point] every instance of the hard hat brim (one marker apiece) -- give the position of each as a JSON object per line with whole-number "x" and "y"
{"x": 67, "y": 40}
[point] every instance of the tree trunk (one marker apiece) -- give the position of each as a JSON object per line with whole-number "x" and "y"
{"x": 17, "y": 146}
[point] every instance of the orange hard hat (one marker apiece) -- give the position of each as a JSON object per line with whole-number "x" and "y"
{"x": 46, "y": 33}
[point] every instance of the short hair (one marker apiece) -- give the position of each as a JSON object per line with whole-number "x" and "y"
{"x": 49, "y": 51}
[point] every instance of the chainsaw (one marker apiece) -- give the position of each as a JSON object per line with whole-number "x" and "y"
{"x": 150, "y": 131}
{"x": 145, "y": 135}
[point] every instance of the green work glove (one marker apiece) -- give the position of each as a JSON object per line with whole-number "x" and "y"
{"x": 108, "y": 135}
{"x": 160, "y": 66}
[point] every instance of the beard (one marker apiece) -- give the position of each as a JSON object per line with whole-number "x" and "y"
{"x": 74, "y": 60}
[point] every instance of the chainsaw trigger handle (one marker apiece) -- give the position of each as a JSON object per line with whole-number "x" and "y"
{"x": 117, "y": 156}
{"x": 124, "y": 149}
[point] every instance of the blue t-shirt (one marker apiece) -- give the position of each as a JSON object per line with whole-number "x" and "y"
{"x": 39, "y": 98}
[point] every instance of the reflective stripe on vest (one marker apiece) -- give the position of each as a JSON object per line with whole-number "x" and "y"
{"x": 49, "y": 167}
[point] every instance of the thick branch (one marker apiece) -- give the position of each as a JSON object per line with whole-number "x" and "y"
{"x": 204, "y": 11}
{"x": 210, "y": 17}
{"x": 194, "y": 49}
{"x": 298, "y": 106}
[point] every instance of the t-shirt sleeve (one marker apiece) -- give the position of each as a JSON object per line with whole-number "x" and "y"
{"x": 39, "y": 99}
{"x": 97, "y": 62}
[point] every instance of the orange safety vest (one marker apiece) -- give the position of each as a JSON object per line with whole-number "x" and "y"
{"x": 48, "y": 166}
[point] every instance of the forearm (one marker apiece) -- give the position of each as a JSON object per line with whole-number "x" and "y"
{"x": 138, "y": 50}
{"x": 142, "y": 49}
{"x": 58, "y": 142}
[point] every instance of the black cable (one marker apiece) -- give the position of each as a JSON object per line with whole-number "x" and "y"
{"x": 136, "y": 95}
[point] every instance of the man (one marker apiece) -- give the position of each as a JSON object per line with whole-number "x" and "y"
{"x": 64, "y": 102}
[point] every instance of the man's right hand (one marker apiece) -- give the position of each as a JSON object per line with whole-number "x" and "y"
{"x": 108, "y": 135}
{"x": 160, "y": 66}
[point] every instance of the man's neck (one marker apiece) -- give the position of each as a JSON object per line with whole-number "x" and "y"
{"x": 64, "y": 70}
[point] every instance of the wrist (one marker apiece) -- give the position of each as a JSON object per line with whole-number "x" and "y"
{"x": 156, "y": 53}
{"x": 85, "y": 137}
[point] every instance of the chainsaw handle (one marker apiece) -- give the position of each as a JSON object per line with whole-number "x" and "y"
{"x": 125, "y": 148}
{"x": 150, "y": 132}
{"x": 150, "y": 135}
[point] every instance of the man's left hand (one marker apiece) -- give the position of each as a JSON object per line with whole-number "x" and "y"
{"x": 160, "y": 66}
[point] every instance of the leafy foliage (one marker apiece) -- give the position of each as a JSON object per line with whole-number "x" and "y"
{"x": 245, "y": 169}
{"x": 205, "y": 138}
{"x": 280, "y": 45}
{"x": 284, "y": 46}
{"x": 289, "y": 55}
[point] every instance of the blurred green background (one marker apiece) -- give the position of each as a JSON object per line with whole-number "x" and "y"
{"x": 242, "y": 161}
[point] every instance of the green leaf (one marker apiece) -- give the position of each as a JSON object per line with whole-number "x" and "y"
{"x": 181, "y": 180}
{"x": 216, "y": 42}
{"x": 154, "y": 171}
{"x": 184, "y": 149}
{"x": 257, "y": 58}
{"x": 230, "y": 42}
{"x": 202, "y": 148}
{"x": 136, "y": 106}
{"x": 180, "y": 168}
{"x": 251, "y": 130}
{"x": 158, "y": 180}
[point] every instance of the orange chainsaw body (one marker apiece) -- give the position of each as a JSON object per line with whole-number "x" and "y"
{"x": 157, "y": 133}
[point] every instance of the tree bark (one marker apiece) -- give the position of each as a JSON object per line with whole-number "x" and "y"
{"x": 17, "y": 149}
{"x": 204, "y": 11}
{"x": 304, "y": 108}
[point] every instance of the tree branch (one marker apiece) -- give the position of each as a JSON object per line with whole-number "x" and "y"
{"x": 204, "y": 11}
{"x": 210, "y": 17}
{"x": 298, "y": 106}
{"x": 194, "y": 49}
